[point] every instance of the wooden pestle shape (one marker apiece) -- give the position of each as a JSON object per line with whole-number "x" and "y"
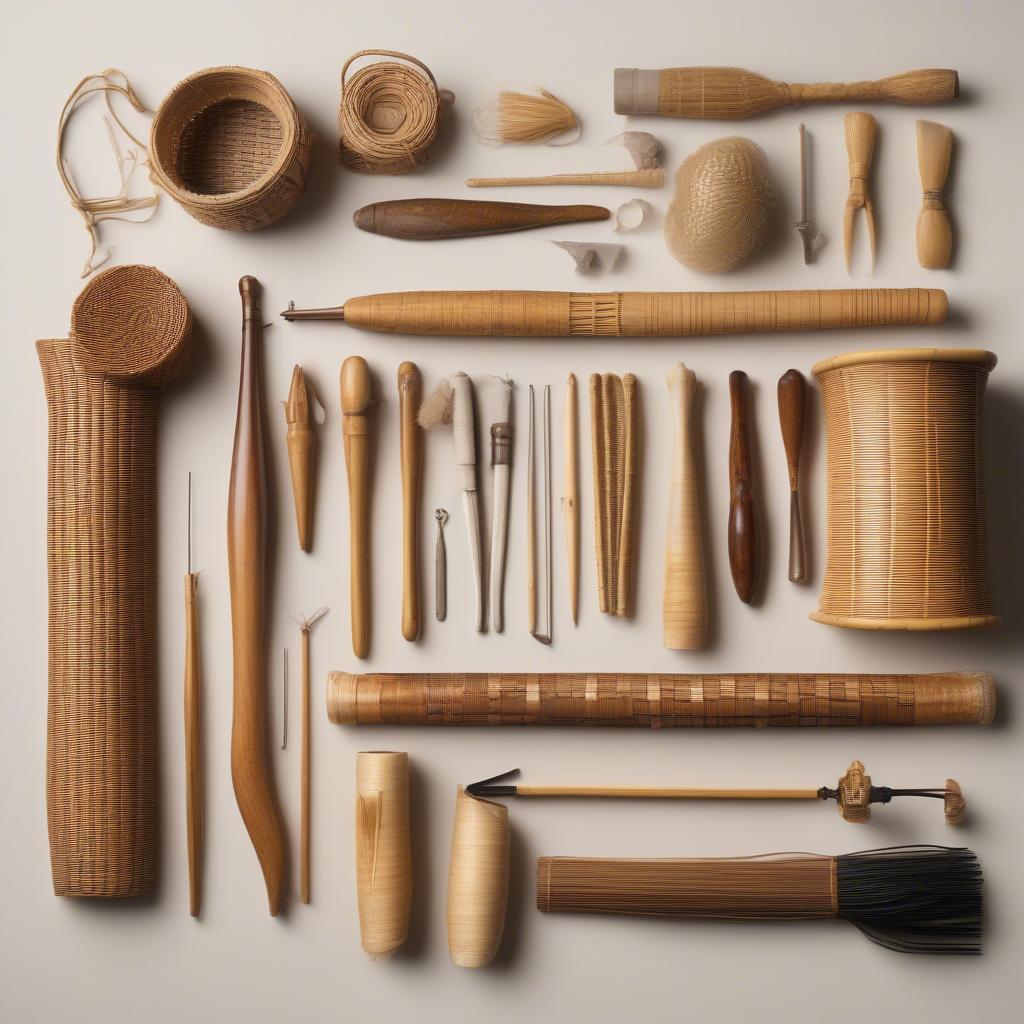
{"x": 742, "y": 515}
{"x": 792, "y": 398}
{"x": 934, "y": 234}
{"x": 860, "y": 131}
{"x": 410, "y": 387}
{"x": 355, "y": 403}
{"x": 427, "y": 219}
{"x": 247, "y": 511}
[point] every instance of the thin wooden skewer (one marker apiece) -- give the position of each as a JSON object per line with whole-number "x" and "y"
{"x": 531, "y": 524}
{"x": 193, "y": 729}
{"x": 860, "y": 130}
{"x": 571, "y": 502}
{"x": 411, "y": 438}
{"x": 792, "y": 397}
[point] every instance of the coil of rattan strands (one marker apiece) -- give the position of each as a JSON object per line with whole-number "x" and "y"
{"x": 101, "y": 767}
{"x": 230, "y": 147}
{"x": 477, "y": 880}
{"x": 653, "y": 700}
{"x": 905, "y": 496}
{"x": 389, "y": 114}
{"x": 383, "y": 851}
{"x": 721, "y": 210}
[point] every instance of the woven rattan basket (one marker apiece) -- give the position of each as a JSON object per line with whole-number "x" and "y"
{"x": 230, "y": 147}
{"x": 906, "y": 505}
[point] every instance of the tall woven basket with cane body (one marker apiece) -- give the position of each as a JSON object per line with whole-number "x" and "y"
{"x": 906, "y": 503}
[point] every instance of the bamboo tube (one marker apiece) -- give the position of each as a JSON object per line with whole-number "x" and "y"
{"x": 383, "y": 852}
{"x": 934, "y": 234}
{"x": 477, "y": 880}
{"x": 254, "y": 790}
{"x": 571, "y": 501}
{"x": 860, "y": 131}
{"x": 193, "y": 745}
{"x": 684, "y": 601}
{"x": 301, "y": 442}
{"x": 661, "y": 700}
{"x": 411, "y": 454}
{"x": 647, "y": 177}
{"x": 355, "y": 402}
{"x": 733, "y": 93}
{"x": 511, "y": 314}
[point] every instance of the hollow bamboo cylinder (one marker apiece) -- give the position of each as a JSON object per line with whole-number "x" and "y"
{"x": 661, "y": 700}
{"x": 477, "y": 880}
{"x": 383, "y": 851}
{"x": 906, "y": 503}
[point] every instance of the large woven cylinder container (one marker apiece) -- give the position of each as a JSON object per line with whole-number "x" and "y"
{"x": 906, "y": 504}
{"x": 230, "y": 147}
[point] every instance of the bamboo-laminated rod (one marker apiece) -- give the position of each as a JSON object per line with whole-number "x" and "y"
{"x": 411, "y": 442}
{"x": 661, "y": 700}
{"x": 247, "y": 509}
{"x": 733, "y": 93}
{"x": 355, "y": 402}
{"x": 517, "y": 314}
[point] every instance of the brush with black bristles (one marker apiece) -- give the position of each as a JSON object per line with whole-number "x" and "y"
{"x": 911, "y": 899}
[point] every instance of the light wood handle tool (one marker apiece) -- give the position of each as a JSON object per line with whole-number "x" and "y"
{"x": 934, "y": 233}
{"x": 410, "y": 387}
{"x": 861, "y": 131}
{"x": 742, "y": 516}
{"x": 355, "y": 404}
{"x": 247, "y": 510}
{"x": 571, "y": 501}
{"x": 792, "y": 398}
{"x": 193, "y": 702}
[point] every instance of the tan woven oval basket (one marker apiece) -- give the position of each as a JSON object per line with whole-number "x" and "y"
{"x": 906, "y": 503}
{"x": 230, "y": 147}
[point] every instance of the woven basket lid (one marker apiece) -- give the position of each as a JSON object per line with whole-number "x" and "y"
{"x": 907, "y": 355}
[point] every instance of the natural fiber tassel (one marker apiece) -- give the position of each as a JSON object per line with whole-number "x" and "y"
{"x": 301, "y": 442}
{"x": 520, "y": 117}
{"x": 934, "y": 234}
{"x": 912, "y": 899}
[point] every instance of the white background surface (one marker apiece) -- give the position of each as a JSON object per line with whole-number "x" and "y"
{"x": 69, "y": 960}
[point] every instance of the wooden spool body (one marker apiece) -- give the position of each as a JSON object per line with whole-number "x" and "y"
{"x": 906, "y": 506}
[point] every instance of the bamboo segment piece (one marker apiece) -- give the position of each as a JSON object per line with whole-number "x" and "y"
{"x": 661, "y": 700}
{"x": 130, "y": 336}
{"x": 410, "y": 387}
{"x": 905, "y": 494}
{"x": 733, "y": 93}
{"x": 301, "y": 442}
{"x": 355, "y": 404}
{"x": 860, "y": 130}
{"x": 934, "y": 234}
{"x": 684, "y": 600}
{"x": 383, "y": 851}
{"x": 477, "y": 880}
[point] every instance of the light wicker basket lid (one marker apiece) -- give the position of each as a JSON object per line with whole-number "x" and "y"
{"x": 907, "y": 355}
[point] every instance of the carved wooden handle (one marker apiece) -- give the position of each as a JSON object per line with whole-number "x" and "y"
{"x": 411, "y": 442}
{"x": 355, "y": 401}
{"x": 742, "y": 516}
{"x": 792, "y": 396}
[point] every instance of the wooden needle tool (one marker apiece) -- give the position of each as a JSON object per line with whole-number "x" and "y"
{"x": 410, "y": 389}
{"x": 193, "y": 729}
{"x": 531, "y": 521}
{"x": 792, "y": 398}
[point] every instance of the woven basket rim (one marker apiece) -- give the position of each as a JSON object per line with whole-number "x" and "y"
{"x": 908, "y": 625}
{"x": 907, "y": 355}
{"x": 289, "y": 125}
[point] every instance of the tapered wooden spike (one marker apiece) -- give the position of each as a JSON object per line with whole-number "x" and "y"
{"x": 301, "y": 442}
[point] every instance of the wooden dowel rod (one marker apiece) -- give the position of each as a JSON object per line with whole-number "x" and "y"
{"x": 304, "y": 874}
{"x": 628, "y": 792}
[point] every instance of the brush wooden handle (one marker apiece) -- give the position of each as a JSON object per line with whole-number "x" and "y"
{"x": 742, "y": 516}
{"x": 733, "y": 93}
{"x": 193, "y": 746}
{"x": 792, "y": 398}
{"x": 355, "y": 401}
{"x": 860, "y": 131}
{"x": 410, "y": 386}
{"x": 684, "y": 602}
{"x": 934, "y": 233}
{"x": 650, "y": 177}
{"x": 426, "y": 219}
{"x": 514, "y": 314}
{"x": 247, "y": 511}
{"x": 572, "y": 495}
{"x": 661, "y": 700}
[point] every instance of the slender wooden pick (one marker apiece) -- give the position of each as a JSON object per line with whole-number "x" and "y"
{"x": 301, "y": 442}
{"x": 411, "y": 440}
{"x": 193, "y": 730}
{"x": 792, "y": 397}
{"x": 571, "y": 501}
{"x": 742, "y": 517}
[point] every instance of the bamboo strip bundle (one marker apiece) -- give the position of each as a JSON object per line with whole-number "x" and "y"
{"x": 130, "y": 336}
{"x": 383, "y": 851}
{"x": 911, "y": 899}
{"x": 906, "y": 504}
{"x": 613, "y": 441}
{"x": 934, "y": 233}
{"x": 477, "y": 880}
{"x": 522, "y": 117}
{"x": 684, "y": 596}
{"x": 533, "y": 314}
{"x": 661, "y": 700}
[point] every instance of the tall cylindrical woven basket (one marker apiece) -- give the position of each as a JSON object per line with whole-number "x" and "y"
{"x": 906, "y": 505}
{"x": 231, "y": 148}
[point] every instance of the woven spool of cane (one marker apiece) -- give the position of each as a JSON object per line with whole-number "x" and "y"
{"x": 231, "y": 148}
{"x": 477, "y": 880}
{"x": 906, "y": 504}
{"x": 130, "y": 336}
{"x": 389, "y": 113}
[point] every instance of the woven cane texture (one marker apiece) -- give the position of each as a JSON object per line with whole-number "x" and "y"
{"x": 906, "y": 504}
{"x": 101, "y": 774}
{"x": 661, "y": 701}
{"x": 230, "y": 147}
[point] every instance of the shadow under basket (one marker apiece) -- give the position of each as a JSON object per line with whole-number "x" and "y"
{"x": 230, "y": 147}
{"x": 906, "y": 501}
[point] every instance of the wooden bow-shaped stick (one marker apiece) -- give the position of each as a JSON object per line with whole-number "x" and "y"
{"x": 860, "y": 130}
{"x": 355, "y": 403}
